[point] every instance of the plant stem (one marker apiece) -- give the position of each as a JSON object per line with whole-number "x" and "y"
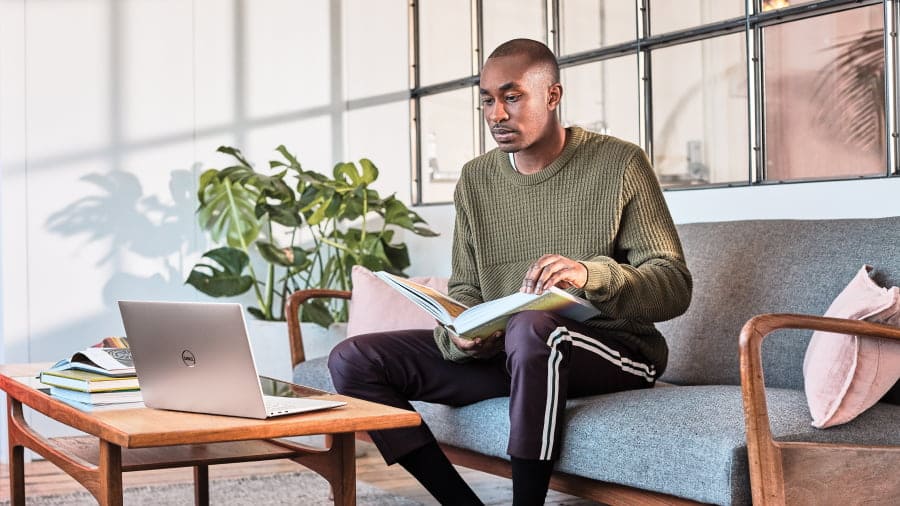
{"x": 365, "y": 211}
{"x": 288, "y": 275}
{"x": 321, "y": 239}
{"x": 335, "y": 245}
{"x": 235, "y": 216}
{"x": 270, "y": 279}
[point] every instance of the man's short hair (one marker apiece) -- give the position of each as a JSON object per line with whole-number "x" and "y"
{"x": 537, "y": 53}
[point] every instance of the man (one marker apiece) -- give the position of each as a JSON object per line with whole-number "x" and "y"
{"x": 552, "y": 206}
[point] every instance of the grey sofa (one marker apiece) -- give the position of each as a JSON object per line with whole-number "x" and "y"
{"x": 687, "y": 442}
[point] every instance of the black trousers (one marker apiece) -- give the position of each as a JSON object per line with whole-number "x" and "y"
{"x": 546, "y": 360}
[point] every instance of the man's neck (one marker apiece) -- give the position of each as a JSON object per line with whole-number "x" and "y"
{"x": 541, "y": 154}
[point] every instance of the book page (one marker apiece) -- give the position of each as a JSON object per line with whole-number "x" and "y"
{"x": 490, "y": 316}
{"x": 110, "y": 359}
{"x": 441, "y": 306}
{"x": 477, "y": 316}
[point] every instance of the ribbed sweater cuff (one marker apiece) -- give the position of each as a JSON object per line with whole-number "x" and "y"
{"x": 448, "y": 349}
{"x": 598, "y": 276}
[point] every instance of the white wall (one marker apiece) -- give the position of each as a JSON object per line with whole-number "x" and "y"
{"x": 109, "y": 110}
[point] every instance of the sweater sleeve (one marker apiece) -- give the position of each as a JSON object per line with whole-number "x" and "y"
{"x": 655, "y": 284}
{"x": 463, "y": 285}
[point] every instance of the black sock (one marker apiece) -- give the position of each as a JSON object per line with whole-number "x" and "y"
{"x": 434, "y": 471}
{"x": 531, "y": 477}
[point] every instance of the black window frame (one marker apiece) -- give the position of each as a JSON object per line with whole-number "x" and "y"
{"x": 751, "y": 24}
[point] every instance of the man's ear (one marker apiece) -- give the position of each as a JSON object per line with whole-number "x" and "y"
{"x": 554, "y": 96}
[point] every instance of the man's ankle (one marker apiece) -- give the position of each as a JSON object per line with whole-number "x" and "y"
{"x": 531, "y": 478}
{"x": 434, "y": 471}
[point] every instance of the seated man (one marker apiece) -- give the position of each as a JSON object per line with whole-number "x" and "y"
{"x": 552, "y": 206}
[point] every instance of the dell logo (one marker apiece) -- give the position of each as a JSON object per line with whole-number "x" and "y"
{"x": 188, "y": 358}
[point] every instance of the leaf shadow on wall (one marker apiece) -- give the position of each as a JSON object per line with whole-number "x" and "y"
{"x": 145, "y": 241}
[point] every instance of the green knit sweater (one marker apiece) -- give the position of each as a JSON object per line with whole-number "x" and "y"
{"x": 598, "y": 202}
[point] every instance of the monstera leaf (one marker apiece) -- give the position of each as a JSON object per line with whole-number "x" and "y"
{"x": 221, "y": 273}
{"x": 228, "y": 210}
{"x": 293, "y": 257}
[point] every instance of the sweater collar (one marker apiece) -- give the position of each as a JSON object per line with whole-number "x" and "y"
{"x": 575, "y": 137}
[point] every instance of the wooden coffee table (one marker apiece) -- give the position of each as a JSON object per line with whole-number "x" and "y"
{"x": 139, "y": 439}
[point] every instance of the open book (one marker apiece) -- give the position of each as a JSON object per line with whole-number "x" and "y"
{"x": 107, "y": 361}
{"x": 488, "y": 317}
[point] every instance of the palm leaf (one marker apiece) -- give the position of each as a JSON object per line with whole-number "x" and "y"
{"x": 851, "y": 89}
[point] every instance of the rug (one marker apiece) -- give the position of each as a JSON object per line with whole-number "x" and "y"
{"x": 299, "y": 488}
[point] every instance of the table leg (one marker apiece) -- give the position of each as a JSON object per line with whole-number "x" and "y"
{"x": 16, "y": 475}
{"x": 201, "y": 485}
{"x": 343, "y": 486}
{"x": 110, "y": 474}
{"x": 16, "y": 454}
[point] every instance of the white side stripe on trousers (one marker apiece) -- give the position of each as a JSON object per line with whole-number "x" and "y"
{"x": 562, "y": 334}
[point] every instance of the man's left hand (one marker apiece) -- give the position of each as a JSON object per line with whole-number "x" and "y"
{"x": 479, "y": 347}
{"x": 554, "y": 270}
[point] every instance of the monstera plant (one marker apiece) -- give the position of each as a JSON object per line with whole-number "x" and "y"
{"x": 289, "y": 228}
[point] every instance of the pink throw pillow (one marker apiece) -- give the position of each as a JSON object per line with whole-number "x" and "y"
{"x": 845, "y": 375}
{"x": 376, "y": 307}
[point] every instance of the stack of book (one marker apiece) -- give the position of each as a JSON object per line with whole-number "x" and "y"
{"x": 94, "y": 377}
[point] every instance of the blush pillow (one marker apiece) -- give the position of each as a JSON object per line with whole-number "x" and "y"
{"x": 376, "y": 307}
{"x": 843, "y": 374}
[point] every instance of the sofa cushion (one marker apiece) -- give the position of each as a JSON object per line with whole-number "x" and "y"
{"x": 314, "y": 373}
{"x": 745, "y": 268}
{"x": 846, "y": 374}
{"x": 372, "y": 297}
{"x": 685, "y": 441}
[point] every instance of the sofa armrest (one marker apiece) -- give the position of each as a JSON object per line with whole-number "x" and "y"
{"x": 292, "y": 313}
{"x": 766, "y": 472}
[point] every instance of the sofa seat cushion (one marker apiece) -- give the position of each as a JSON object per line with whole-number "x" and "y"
{"x": 687, "y": 441}
{"x": 314, "y": 373}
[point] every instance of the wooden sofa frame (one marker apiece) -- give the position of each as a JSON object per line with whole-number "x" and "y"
{"x": 780, "y": 472}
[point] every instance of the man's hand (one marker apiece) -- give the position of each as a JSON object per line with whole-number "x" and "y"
{"x": 480, "y": 347}
{"x": 554, "y": 270}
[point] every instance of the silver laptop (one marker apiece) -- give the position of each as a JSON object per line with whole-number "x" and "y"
{"x": 194, "y": 356}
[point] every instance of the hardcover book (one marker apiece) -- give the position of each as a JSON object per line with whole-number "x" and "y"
{"x": 97, "y": 397}
{"x": 86, "y": 381}
{"x": 486, "y": 318}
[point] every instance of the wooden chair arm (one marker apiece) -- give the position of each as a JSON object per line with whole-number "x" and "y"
{"x": 764, "y": 455}
{"x": 292, "y": 313}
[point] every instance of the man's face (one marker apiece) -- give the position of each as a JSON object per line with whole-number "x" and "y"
{"x": 518, "y": 100}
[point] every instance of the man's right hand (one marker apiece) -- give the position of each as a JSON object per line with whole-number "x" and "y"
{"x": 480, "y": 347}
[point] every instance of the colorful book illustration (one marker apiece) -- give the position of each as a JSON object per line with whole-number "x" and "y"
{"x": 488, "y": 317}
{"x": 86, "y": 381}
{"x": 107, "y": 361}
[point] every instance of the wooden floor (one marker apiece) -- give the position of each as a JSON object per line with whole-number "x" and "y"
{"x": 42, "y": 477}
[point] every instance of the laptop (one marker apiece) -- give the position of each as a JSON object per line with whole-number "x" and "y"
{"x": 196, "y": 356}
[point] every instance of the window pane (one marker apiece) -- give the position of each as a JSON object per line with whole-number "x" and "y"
{"x": 824, "y": 96}
{"x": 770, "y": 5}
{"x": 512, "y": 19}
{"x": 672, "y": 15}
{"x": 700, "y": 112}
{"x": 590, "y": 24}
{"x": 603, "y": 97}
{"x": 445, "y": 40}
{"x": 448, "y": 140}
